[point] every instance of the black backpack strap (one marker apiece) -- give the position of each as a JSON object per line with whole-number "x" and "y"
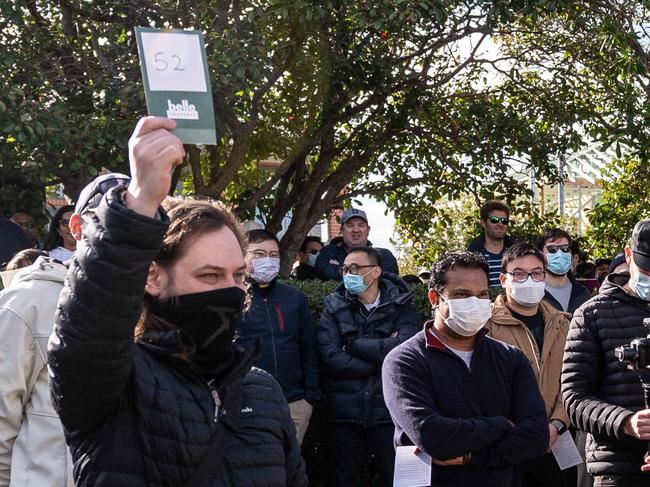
{"x": 227, "y": 426}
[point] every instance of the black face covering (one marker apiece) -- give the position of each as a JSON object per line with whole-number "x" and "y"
{"x": 209, "y": 318}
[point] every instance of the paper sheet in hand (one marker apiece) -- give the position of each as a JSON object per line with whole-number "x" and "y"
{"x": 411, "y": 470}
{"x": 176, "y": 81}
{"x": 565, "y": 452}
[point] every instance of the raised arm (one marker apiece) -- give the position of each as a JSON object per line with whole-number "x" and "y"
{"x": 91, "y": 349}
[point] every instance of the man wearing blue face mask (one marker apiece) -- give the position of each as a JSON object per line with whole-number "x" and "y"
{"x": 563, "y": 291}
{"x": 279, "y": 316}
{"x": 363, "y": 320}
{"x": 604, "y": 398}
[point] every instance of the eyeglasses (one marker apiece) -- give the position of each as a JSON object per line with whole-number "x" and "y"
{"x": 521, "y": 276}
{"x": 353, "y": 268}
{"x": 496, "y": 219}
{"x": 551, "y": 249}
{"x": 64, "y": 222}
{"x": 260, "y": 254}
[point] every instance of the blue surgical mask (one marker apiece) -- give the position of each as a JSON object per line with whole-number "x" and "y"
{"x": 640, "y": 284}
{"x": 312, "y": 259}
{"x": 354, "y": 283}
{"x": 559, "y": 263}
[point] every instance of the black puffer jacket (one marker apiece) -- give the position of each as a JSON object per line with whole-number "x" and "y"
{"x": 352, "y": 377}
{"x": 600, "y": 393}
{"x": 135, "y": 414}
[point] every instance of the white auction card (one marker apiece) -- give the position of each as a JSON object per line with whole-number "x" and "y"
{"x": 412, "y": 467}
{"x": 565, "y": 451}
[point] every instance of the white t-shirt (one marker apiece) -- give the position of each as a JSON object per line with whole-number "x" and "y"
{"x": 373, "y": 304}
{"x": 466, "y": 355}
{"x": 61, "y": 253}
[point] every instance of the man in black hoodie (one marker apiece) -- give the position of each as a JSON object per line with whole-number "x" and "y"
{"x": 601, "y": 396}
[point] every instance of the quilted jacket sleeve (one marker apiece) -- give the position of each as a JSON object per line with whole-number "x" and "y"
{"x": 581, "y": 380}
{"x": 91, "y": 350}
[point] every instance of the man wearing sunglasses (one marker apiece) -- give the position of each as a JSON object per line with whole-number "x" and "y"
{"x": 563, "y": 291}
{"x": 307, "y": 256}
{"x": 522, "y": 319}
{"x": 495, "y": 218}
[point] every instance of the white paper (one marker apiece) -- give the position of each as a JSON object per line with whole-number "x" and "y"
{"x": 174, "y": 61}
{"x": 411, "y": 469}
{"x": 565, "y": 452}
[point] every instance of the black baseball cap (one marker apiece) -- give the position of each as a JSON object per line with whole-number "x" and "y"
{"x": 92, "y": 194}
{"x": 641, "y": 244}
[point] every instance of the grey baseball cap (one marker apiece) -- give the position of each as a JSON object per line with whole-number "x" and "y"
{"x": 353, "y": 213}
{"x": 92, "y": 194}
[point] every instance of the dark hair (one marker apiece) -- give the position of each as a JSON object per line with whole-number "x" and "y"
{"x": 493, "y": 205}
{"x": 336, "y": 240}
{"x": 451, "y": 260}
{"x": 373, "y": 256}
{"x": 553, "y": 234}
{"x": 603, "y": 260}
{"x": 53, "y": 239}
{"x": 520, "y": 249}
{"x": 310, "y": 238}
{"x": 24, "y": 258}
{"x": 586, "y": 270}
{"x": 411, "y": 279}
{"x": 260, "y": 235}
{"x": 189, "y": 218}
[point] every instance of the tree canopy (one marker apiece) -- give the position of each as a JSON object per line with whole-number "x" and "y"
{"x": 403, "y": 101}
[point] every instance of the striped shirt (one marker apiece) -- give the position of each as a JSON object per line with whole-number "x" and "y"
{"x": 494, "y": 261}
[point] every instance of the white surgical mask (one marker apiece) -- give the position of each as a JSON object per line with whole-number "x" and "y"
{"x": 265, "y": 269}
{"x": 312, "y": 259}
{"x": 468, "y": 316}
{"x": 528, "y": 292}
{"x": 640, "y": 283}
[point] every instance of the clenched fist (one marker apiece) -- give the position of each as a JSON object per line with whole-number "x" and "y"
{"x": 153, "y": 153}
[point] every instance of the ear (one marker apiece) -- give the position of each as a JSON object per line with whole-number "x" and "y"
{"x": 502, "y": 278}
{"x": 628, "y": 254}
{"x": 377, "y": 271}
{"x": 76, "y": 221}
{"x": 157, "y": 280}
{"x": 434, "y": 297}
{"x": 482, "y": 223}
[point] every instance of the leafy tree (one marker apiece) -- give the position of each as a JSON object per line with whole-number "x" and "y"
{"x": 624, "y": 202}
{"x": 339, "y": 90}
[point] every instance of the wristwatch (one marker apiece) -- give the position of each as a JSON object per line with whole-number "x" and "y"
{"x": 559, "y": 426}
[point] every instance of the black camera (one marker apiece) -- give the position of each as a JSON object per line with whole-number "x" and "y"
{"x": 636, "y": 353}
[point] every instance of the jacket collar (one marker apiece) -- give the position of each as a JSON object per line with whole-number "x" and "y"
{"x": 393, "y": 291}
{"x": 433, "y": 342}
{"x": 613, "y": 286}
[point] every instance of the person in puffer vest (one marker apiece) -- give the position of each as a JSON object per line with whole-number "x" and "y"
{"x": 145, "y": 377}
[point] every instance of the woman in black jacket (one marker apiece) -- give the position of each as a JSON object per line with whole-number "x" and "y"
{"x": 179, "y": 405}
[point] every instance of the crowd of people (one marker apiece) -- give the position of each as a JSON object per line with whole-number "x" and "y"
{"x": 147, "y": 340}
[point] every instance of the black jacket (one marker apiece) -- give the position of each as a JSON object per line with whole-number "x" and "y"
{"x": 600, "y": 393}
{"x": 326, "y": 268}
{"x": 304, "y": 272}
{"x": 478, "y": 244}
{"x": 579, "y": 295}
{"x": 136, "y": 414}
{"x": 280, "y": 317}
{"x": 352, "y": 389}
{"x": 12, "y": 240}
{"x": 493, "y": 411}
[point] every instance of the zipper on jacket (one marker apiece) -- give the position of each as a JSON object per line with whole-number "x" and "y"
{"x": 275, "y": 354}
{"x": 534, "y": 348}
{"x": 217, "y": 404}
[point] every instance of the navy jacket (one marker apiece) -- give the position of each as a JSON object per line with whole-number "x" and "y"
{"x": 352, "y": 377}
{"x": 493, "y": 411}
{"x": 327, "y": 270}
{"x": 12, "y": 240}
{"x": 135, "y": 414}
{"x": 579, "y": 295}
{"x": 280, "y": 317}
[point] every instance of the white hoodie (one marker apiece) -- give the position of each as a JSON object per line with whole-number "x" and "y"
{"x": 32, "y": 447}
